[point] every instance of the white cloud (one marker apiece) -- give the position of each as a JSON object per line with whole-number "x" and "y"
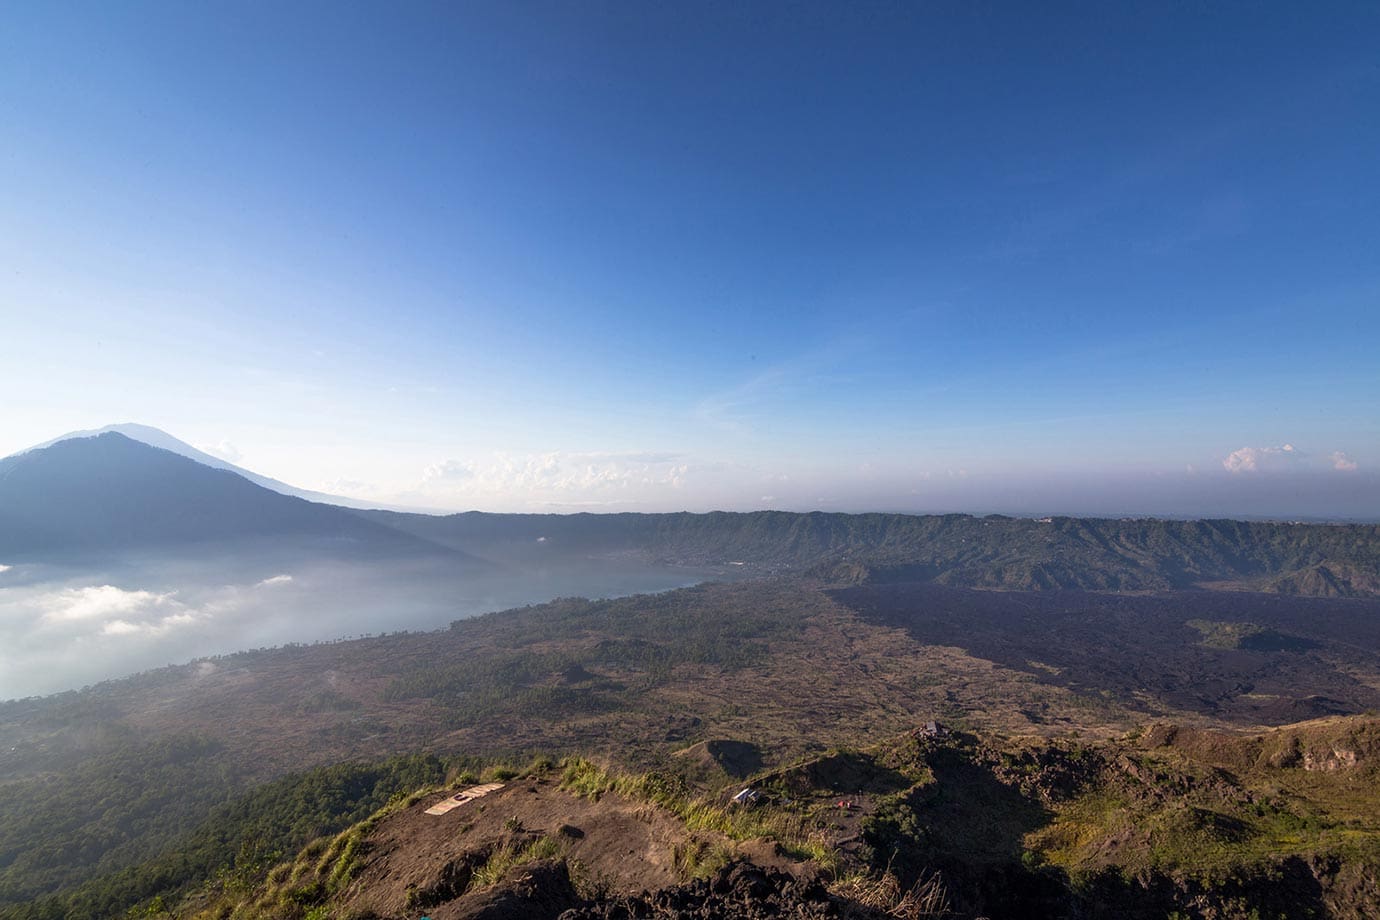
{"x": 5, "y": 568}
{"x": 1285, "y": 457}
{"x": 275, "y": 581}
{"x": 100, "y": 603}
{"x": 449, "y": 471}
{"x": 148, "y": 628}
{"x": 59, "y": 619}
{"x": 355, "y": 488}
{"x": 224, "y": 450}
{"x": 566, "y": 477}
{"x": 1253, "y": 459}
{"x": 1340, "y": 461}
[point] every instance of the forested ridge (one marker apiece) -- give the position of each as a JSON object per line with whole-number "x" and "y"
{"x": 232, "y": 842}
{"x": 1134, "y": 554}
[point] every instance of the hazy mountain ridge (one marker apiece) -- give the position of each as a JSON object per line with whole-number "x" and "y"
{"x": 109, "y": 491}
{"x": 953, "y": 549}
{"x": 112, "y": 494}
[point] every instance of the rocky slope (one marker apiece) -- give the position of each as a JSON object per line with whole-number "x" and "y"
{"x": 1168, "y": 821}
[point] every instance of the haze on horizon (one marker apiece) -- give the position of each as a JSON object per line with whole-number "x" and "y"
{"x": 1092, "y": 259}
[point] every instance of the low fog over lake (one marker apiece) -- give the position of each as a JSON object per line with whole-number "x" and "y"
{"x": 64, "y": 628}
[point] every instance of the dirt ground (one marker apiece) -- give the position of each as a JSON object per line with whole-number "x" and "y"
{"x": 615, "y": 845}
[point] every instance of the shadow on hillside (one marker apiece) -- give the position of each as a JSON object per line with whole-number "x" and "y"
{"x": 970, "y": 828}
{"x": 1288, "y": 888}
{"x": 739, "y": 759}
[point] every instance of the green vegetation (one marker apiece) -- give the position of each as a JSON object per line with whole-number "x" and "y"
{"x": 505, "y": 859}
{"x": 792, "y": 828}
{"x": 1224, "y": 635}
{"x": 1176, "y": 809}
{"x": 1248, "y": 636}
{"x": 549, "y": 671}
{"x": 122, "y": 800}
{"x": 302, "y": 887}
{"x": 948, "y": 822}
{"x": 238, "y": 840}
{"x": 312, "y": 883}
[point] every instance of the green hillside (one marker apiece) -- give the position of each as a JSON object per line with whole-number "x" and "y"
{"x": 955, "y": 549}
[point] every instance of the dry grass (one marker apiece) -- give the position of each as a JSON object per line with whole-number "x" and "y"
{"x": 927, "y": 898}
{"x": 793, "y": 830}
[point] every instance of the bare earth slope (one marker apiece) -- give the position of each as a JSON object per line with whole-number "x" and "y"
{"x": 1165, "y": 822}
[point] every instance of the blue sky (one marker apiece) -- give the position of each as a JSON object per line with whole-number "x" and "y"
{"x": 657, "y": 256}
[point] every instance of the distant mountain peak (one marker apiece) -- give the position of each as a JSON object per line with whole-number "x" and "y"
{"x": 108, "y": 492}
{"x": 133, "y": 430}
{"x": 156, "y": 437}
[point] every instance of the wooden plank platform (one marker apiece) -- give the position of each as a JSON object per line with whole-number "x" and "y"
{"x": 460, "y": 798}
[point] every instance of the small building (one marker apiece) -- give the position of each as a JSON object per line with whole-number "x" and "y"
{"x": 747, "y": 797}
{"x": 931, "y": 730}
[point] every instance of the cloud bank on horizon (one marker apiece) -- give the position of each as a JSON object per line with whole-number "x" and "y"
{"x": 1284, "y": 458}
{"x": 1319, "y": 484}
